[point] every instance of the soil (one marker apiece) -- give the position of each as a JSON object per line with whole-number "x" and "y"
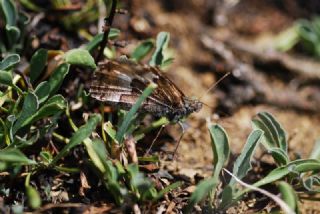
{"x": 195, "y": 69}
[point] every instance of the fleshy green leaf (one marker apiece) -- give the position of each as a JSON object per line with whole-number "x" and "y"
{"x": 282, "y": 136}
{"x": 279, "y": 156}
{"x": 54, "y": 105}
{"x": 161, "y": 44}
{"x": 9, "y": 61}
{"x": 57, "y": 77}
{"x": 296, "y": 167}
{"x": 289, "y": 195}
{"x": 220, "y": 147}
{"x": 9, "y": 11}
{"x": 242, "y": 165}
{"x": 37, "y": 64}
{"x": 80, "y": 57}
{"x": 311, "y": 182}
{"x": 13, "y": 34}
{"x": 142, "y": 50}
{"x": 5, "y": 78}
{"x": 33, "y": 196}
{"x": 30, "y": 106}
{"x": 20, "y": 143}
{"x": 15, "y": 156}
{"x": 77, "y": 138}
{"x": 267, "y": 139}
{"x": 42, "y": 91}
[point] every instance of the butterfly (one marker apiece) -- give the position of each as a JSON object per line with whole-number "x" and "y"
{"x": 120, "y": 82}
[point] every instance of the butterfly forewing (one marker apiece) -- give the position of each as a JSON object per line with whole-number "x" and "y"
{"x": 121, "y": 82}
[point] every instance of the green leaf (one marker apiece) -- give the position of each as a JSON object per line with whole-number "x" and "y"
{"x": 311, "y": 182}
{"x": 298, "y": 166}
{"x": 33, "y": 196}
{"x": 94, "y": 43}
{"x": 20, "y": 143}
{"x": 54, "y": 105}
{"x": 42, "y": 91}
{"x": 267, "y": 139}
{"x": 271, "y": 129}
{"x": 131, "y": 114}
{"x": 77, "y": 138}
{"x": 100, "y": 157}
{"x": 5, "y": 78}
{"x": 227, "y": 196}
{"x": 13, "y": 34}
{"x": 142, "y": 50}
{"x": 108, "y": 128}
{"x": 80, "y": 57}
{"x": 30, "y": 106}
{"x": 243, "y": 163}
{"x": 220, "y": 148}
{"x": 289, "y": 195}
{"x": 279, "y": 156}
{"x": 57, "y": 77}
{"x": 9, "y": 11}
{"x": 15, "y": 156}
{"x": 282, "y": 136}
{"x": 9, "y": 61}
{"x": 161, "y": 44}
{"x": 37, "y": 64}
{"x": 202, "y": 190}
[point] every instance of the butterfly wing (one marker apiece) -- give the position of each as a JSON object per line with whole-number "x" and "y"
{"x": 120, "y": 83}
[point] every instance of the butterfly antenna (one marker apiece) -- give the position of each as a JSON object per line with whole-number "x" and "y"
{"x": 106, "y": 29}
{"x": 180, "y": 138}
{"x": 215, "y": 84}
{"x": 154, "y": 140}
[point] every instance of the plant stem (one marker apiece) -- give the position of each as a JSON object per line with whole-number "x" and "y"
{"x": 60, "y": 137}
{"x": 106, "y": 29}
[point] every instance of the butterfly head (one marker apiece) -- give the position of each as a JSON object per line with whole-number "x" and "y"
{"x": 190, "y": 106}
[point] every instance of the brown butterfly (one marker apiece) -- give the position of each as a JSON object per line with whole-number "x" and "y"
{"x": 119, "y": 83}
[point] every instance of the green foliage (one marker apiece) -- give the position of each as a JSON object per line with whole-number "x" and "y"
{"x": 304, "y": 32}
{"x": 95, "y": 41}
{"x": 289, "y": 195}
{"x": 37, "y": 64}
{"x": 274, "y": 139}
{"x": 14, "y": 24}
{"x": 161, "y": 57}
{"x": 80, "y": 57}
{"x": 292, "y": 176}
{"x": 142, "y": 50}
{"x": 130, "y": 116}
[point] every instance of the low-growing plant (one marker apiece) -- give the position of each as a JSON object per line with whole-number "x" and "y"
{"x": 305, "y": 33}
{"x": 32, "y": 109}
{"x": 292, "y": 177}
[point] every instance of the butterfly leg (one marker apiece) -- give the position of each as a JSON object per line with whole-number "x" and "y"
{"x": 180, "y": 138}
{"x": 158, "y": 134}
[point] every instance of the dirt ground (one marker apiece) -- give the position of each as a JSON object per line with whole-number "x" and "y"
{"x": 194, "y": 71}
